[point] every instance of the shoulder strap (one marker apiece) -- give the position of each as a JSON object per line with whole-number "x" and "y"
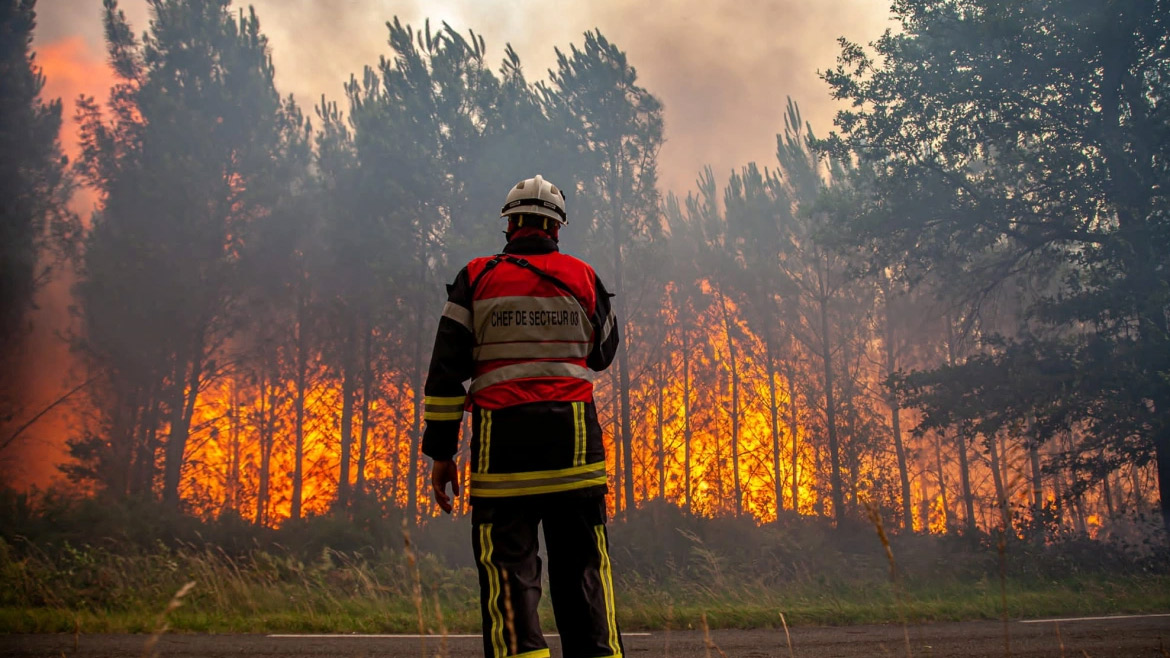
{"x": 482, "y": 273}
{"x": 524, "y": 263}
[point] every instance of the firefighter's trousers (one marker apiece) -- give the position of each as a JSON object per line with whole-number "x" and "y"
{"x": 579, "y": 573}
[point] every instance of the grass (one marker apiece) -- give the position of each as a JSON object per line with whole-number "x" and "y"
{"x": 673, "y": 572}
{"x": 92, "y": 590}
{"x": 874, "y": 605}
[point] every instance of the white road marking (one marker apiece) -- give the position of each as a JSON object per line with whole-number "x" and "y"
{"x": 1104, "y": 618}
{"x": 404, "y": 636}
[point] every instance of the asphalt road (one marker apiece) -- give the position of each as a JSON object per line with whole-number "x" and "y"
{"x": 1146, "y": 636}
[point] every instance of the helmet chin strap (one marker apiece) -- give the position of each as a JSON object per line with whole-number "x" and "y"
{"x": 525, "y": 225}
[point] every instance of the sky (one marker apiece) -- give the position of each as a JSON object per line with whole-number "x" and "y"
{"x": 723, "y": 71}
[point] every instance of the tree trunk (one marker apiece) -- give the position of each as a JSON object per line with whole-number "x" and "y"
{"x": 1135, "y": 486}
{"x": 232, "y": 500}
{"x": 1037, "y": 480}
{"x": 687, "y": 432}
{"x": 349, "y": 386}
{"x": 266, "y": 434}
{"x": 1058, "y": 492}
{"x": 965, "y": 483}
{"x": 961, "y": 443}
{"x": 835, "y": 484}
{"x": 818, "y": 468}
{"x": 1005, "y": 468}
{"x": 302, "y": 366}
{"x": 794, "y": 432}
{"x": 367, "y": 390}
{"x": 734, "y": 366}
{"x": 186, "y": 390}
{"x": 1107, "y": 494}
{"x": 661, "y": 445}
{"x": 415, "y": 423}
{"x": 145, "y": 462}
{"x": 1001, "y": 498}
{"x": 777, "y": 482}
{"x": 123, "y": 435}
{"x": 896, "y": 413}
{"x": 624, "y": 437}
{"x": 848, "y": 408}
{"x": 942, "y": 481}
{"x": 924, "y": 506}
{"x": 618, "y": 497}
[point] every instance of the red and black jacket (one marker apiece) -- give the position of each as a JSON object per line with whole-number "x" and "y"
{"x": 528, "y": 327}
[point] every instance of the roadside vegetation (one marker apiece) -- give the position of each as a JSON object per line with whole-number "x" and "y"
{"x": 86, "y": 566}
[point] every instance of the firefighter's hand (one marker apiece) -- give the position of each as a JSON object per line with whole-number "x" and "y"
{"x": 442, "y": 472}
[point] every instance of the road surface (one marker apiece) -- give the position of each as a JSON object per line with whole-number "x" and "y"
{"x": 1147, "y": 636}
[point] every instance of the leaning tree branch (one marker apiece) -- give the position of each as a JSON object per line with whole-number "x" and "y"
{"x": 20, "y": 430}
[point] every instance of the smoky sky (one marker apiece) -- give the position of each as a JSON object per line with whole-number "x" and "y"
{"x": 722, "y": 69}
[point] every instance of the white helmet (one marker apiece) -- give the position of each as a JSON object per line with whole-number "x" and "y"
{"x": 536, "y": 196}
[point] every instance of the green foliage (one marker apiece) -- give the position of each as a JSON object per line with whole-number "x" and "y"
{"x": 34, "y": 180}
{"x": 1026, "y": 144}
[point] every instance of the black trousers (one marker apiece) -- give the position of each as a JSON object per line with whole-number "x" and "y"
{"x": 579, "y": 574}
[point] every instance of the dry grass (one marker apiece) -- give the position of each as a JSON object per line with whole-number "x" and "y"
{"x": 875, "y": 518}
{"x": 678, "y": 572}
{"x": 163, "y": 623}
{"x": 787, "y": 636}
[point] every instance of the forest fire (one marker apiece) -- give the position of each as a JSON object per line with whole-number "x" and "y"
{"x": 902, "y": 356}
{"x": 260, "y": 352}
{"x": 241, "y": 457}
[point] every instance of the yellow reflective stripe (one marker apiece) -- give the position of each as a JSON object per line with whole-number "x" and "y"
{"x": 535, "y": 653}
{"x": 480, "y": 492}
{"x": 578, "y": 433}
{"x": 434, "y": 399}
{"x": 443, "y": 408}
{"x": 538, "y": 475}
{"x": 493, "y": 606}
{"x": 607, "y": 588}
{"x": 496, "y": 485}
{"x": 584, "y": 434}
{"x": 485, "y": 438}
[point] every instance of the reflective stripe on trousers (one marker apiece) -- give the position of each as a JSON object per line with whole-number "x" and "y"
{"x": 500, "y": 485}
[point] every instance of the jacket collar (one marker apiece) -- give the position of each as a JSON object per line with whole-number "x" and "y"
{"x": 531, "y": 244}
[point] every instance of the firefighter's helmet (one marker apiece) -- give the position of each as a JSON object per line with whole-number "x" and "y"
{"x": 536, "y": 196}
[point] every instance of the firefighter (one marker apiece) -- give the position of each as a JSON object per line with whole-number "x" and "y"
{"x": 528, "y": 327}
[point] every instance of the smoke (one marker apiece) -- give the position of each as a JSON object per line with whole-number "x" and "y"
{"x": 72, "y": 64}
{"x": 723, "y": 71}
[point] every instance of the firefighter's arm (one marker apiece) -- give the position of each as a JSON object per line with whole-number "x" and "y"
{"x": 605, "y": 333}
{"x": 451, "y": 366}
